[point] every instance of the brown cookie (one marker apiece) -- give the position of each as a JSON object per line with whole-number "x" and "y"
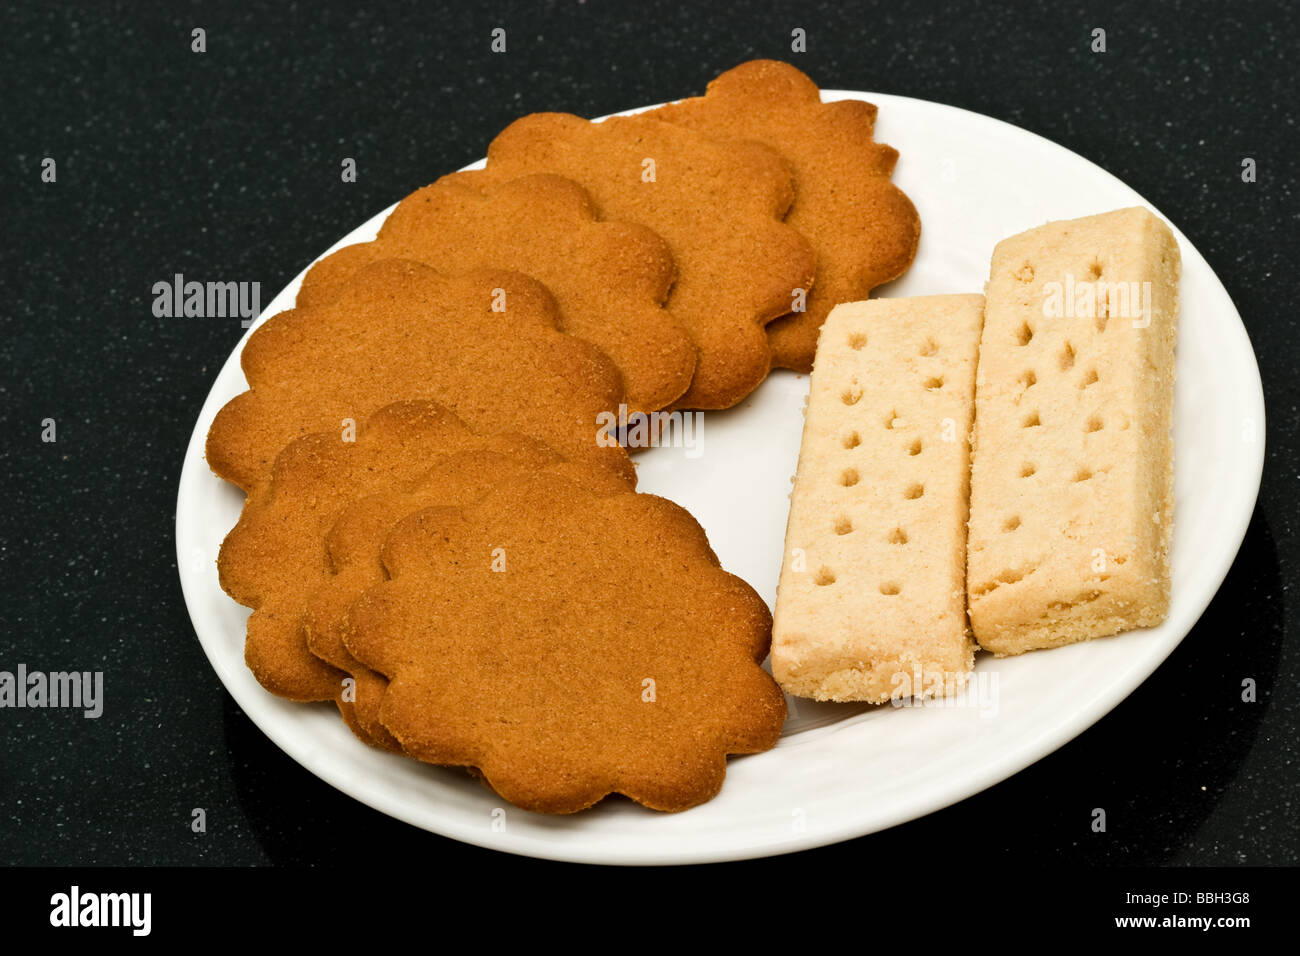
{"x": 719, "y": 205}
{"x": 357, "y": 538}
{"x": 274, "y": 559}
{"x": 863, "y": 228}
{"x": 569, "y": 646}
{"x": 483, "y": 343}
{"x": 610, "y": 279}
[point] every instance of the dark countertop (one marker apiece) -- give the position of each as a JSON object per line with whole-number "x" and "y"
{"x": 226, "y": 165}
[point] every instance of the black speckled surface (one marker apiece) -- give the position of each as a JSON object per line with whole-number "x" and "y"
{"x": 226, "y": 165}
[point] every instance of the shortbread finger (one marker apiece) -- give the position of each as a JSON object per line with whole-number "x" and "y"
{"x": 1072, "y": 474}
{"x": 871, "y": 602}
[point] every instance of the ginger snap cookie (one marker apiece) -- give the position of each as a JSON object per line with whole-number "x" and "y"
{"x": 356, "y": 540}
{"x": 483, "y": 343}
{"x": 719, "y": 204}
{"x": 274, "y": 559}
{"x": 862, "y": 227}
{"x": 568, "y": 646}
{"x": 610, "y": 279}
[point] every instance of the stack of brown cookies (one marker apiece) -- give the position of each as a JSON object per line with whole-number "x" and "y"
{"x": 434, "y": 535}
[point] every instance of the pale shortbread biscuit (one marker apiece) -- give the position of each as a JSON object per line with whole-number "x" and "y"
{"x": 871, "y": 602}
{"x": 1072, "y": 473}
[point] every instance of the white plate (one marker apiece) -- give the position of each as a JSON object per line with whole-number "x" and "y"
{"x": 838, "y": 771}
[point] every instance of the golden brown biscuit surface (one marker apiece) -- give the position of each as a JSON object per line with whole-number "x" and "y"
{"x": 610, "y": 279}
{"x": 356, "y": 540}
{"x": 569, "y": 646}
{"x": 862, "y": 227}
{"x": 275, "y": 558}
{"x": 483, "y": 343}
{"x": 718, "y": 204}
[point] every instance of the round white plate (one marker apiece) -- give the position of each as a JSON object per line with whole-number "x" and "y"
{"x": 839, "y": 771}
